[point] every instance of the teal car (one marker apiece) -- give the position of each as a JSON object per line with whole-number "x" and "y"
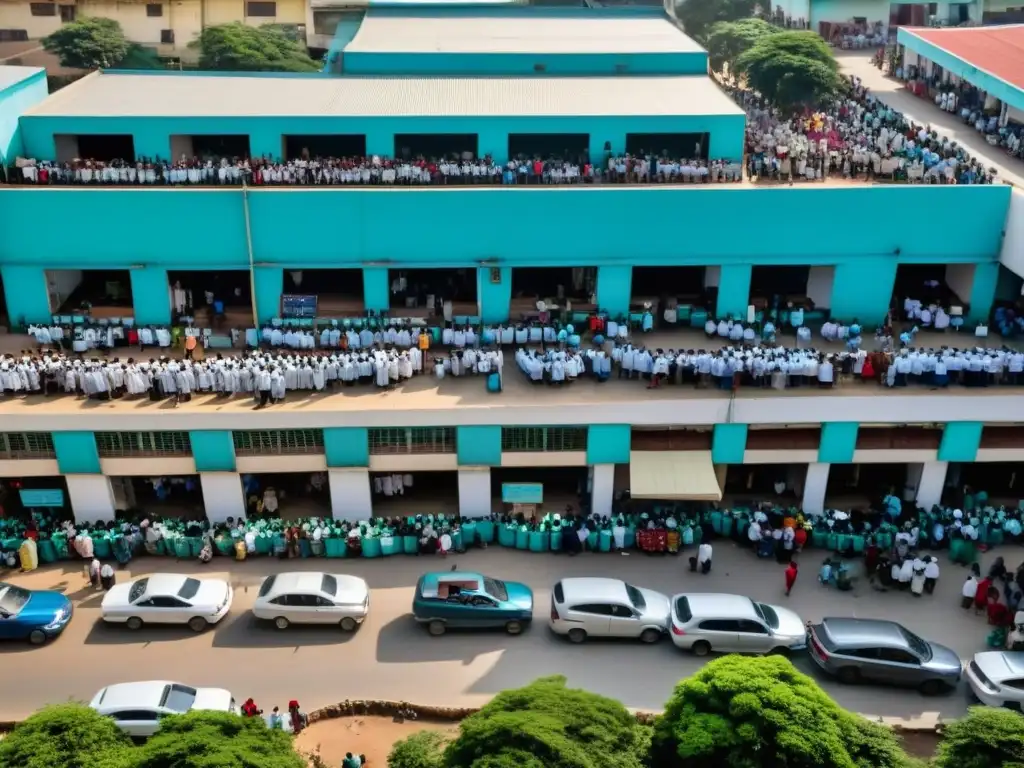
{"x": 463, "y": 600}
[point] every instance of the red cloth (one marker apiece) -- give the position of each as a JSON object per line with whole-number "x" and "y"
{"x": 981, "y": 596}
{"x": 790, "y": 576}
{"x": 800, "y": 537}
{"x": 998, "y": 615}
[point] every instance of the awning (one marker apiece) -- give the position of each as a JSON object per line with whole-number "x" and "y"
{"x": 673, "y": 475}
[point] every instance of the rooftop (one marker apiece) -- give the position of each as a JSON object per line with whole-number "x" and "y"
{"x": 415, "y": 32}
{"x": 12, "y": 75}
{"x": 996, "y": 51}
{"x": 108, "y": 94}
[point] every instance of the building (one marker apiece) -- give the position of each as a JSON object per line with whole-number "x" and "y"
{"x": 499, "y": 82}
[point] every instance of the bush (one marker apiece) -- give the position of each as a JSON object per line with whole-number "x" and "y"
{"x": 984, "y": 738}
{"x": 760, "y": 712}
{"x": 66, "y": 736}
{"x": 424, "y": 749}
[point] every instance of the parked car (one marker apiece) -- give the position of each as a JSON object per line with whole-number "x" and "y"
{"x": 599, "y": 607}
{"x": 997, "y": 678}
{"x": 463, "y": 600}
{"x": 138, "y": 707}
{"x": 313, "y": 598}
{"x": 882, "y": 651}
{"x": 706, "y": 622}
{"x": 168, "y": 598}
{"x": 36, "y": 616}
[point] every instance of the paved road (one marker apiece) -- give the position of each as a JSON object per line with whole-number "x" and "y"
{"x": 392, "y": 657}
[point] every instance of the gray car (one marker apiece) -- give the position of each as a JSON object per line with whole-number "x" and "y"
{"x": 600, "y": 607}
{"x": 882, "y": 651}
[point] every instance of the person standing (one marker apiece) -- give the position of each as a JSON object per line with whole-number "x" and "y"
{"x": 791, "y": 571}
{"x": 704, "y": 557}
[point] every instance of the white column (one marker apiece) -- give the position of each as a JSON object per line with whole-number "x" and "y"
{"x": 350, "y": 494}
{"x": 223, "y": 496}
{"x": 815, "y": 485}
{"x": 474, "y": 492}
{"x": 91, "y": 497}
{"x": 602, "y": 489}
{"x": 933, "y": 480}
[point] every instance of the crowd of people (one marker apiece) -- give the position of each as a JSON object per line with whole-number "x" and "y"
{"x": 999, "y": 595}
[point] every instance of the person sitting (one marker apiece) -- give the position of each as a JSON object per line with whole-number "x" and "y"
{"x": 276, "y": 721}
{"x": 249, "y": 709}
{"x": 351, "y": 761}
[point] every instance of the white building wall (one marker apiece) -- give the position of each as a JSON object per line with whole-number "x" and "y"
{"x": 350, "y": 494}
{"x": 18, "y": 15}
{"x": 602, "y": 489}
{"x": 819, "y": 286}
{"x": 474, "y": 492}
{"x": 91, "y": 497}
{"x": 223, "y": 496}
{"x": 815, "y": 485}
{"x": 960, "y": 279}
{"x": 932, "y": 483}
{"x": 1012, "y": 254}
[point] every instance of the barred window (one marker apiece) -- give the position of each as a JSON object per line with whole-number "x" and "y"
{"x": 538, "y": 439}
{"x": 256, "y": 442}
{"x": 27, "y": 445}
{"x": 411, "y": 440}
{"x": 122, "y": 445}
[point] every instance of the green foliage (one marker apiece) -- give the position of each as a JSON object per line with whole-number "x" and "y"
{"x": 66, "y": 736}
{"x": 424, "y": 749}
{"x": 89, "y": 43}
{"x": 728, "y": 39}
{"x": 139, "y": 57}
{"x": 698, "y": 16}
{"x": 237, "y": 47}
{"x": 761, "y": 713}
{"x": 546, "y": 725}
{"x": 984, "y": 738}
{"x": 791, "y": 68}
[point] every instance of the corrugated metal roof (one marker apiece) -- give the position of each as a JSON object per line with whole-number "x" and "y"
{"x": 183, "y": 95}
{"x": 429, "y": 33}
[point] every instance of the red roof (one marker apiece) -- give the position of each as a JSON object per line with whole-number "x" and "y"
{"x": 999, "y": 51}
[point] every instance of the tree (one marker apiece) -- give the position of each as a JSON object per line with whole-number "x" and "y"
{"x": 791, "y": 68}
{"x": 66, "y": 736}
{"x": 698, "y": 16}
{"x": 760, "y": 712}
{"x": 205, "y": 739}
{"x": 728, "y": 39}
{"x": 89, "y": 43}
{"x": 546, "y": 725}
{"x": 424, "y": 749}
{"x": 237, "y": 47}
{"x": 985, "y": 737}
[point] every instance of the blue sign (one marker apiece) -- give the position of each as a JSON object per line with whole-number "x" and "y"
{"x": 293, "y": 305}
{"x": 44, "y": 498}
{"x": 522, "y": 493}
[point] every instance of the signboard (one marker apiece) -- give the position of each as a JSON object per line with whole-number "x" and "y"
{"x": 42, "y": 498}
{"x": 298, "y": 305}
{"x": 522, "y": 493}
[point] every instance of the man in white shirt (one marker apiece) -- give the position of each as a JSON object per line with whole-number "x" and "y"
{"x": 704, "y": 557}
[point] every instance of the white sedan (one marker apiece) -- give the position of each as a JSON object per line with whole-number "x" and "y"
{"x": 313, "y": 598}
{"x": 997, "y": 678}
{"x": 138, "y": 707}
{"x": 168, "y": 598}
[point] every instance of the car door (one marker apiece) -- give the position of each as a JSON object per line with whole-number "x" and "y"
{"x": 624, "y": 622}
{"x": 302, "y": 608}
{"x": 137, "y": 723}
{"x": 593, "y": 618}
{"x": 484, "y": 611}
{"x": 753, "y": 637}
{"x": 169, "y": 610}
{"x": 326, "y": 611}
{"x": 899, "y": 665}
{"x": 9, "y": 626}
{"x": 721, "y": 634}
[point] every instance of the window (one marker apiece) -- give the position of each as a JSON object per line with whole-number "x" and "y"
{"x": 26, "y": 445}
{"x": 68, "y": 13}
{"x": 167, "y": 37}
{"x": 165, "y": 601}
{"x": 595, "y": 609}
{"x": 134, "y": 715}
{"x": 495, "y": 589}
{"x": 622, "y": 612}
{"x": 897, "y": 656}
{"x": 189, "y": 589}
{"x": 121, "y": 445}
{"x": 771, "y": 618}
{"x": 284, "y": 442}
{"x": 559, "y": 593}
{"x": 154, "y": 10}
{"x": 720, "y": 625}
{"x": 540, "y": 439}
{"x": 479, "y": 601}
{"x": 329, "y": 585}
{"x": 268, "y": 584}
{"x": 917, "y": 645}
{"x": 636, "y": 597}
{"x": 411, "y": 440}
{"x": 178, "y": 698}
{"x": 751, "y": 627}
{"x": 861, "y": 653}
{"x": 683, "y": 612}
{"x": 138, "y": 590}
{"x": 43, "y": 9}
{"x": 260, "y": 8}
{"x": 13, "y": 599}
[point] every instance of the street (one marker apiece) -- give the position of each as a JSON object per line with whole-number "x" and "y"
{"x": 391, "y": 657}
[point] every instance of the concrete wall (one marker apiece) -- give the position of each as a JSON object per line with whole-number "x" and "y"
{"x": 525, "y": 64}
{"x": 17, "y": 97}
{"x": 1012, "y": 254}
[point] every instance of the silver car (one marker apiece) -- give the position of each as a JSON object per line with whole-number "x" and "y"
{"x": 882, "y": 651}
{"x": 313, "y": 598}
{"x": 997, "y": 678}
{"x": 598, "y": 607}
{"x": 705, "y": 622}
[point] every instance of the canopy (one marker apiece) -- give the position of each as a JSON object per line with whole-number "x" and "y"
{"x": 673, "y": 475}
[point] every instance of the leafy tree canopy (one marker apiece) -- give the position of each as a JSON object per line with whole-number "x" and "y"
{"x": 728, "y": 39}
{"x": 985, "y": 737}
{"x": 89, "y": 43}
{"x": 698, "y": 16}
{"x": 424, "y": 749}
{"x": 761, "y": 713}
{"x": 66, "y": 736}
{"x": 238, "y": 47}
{"x": 791, "y": 68}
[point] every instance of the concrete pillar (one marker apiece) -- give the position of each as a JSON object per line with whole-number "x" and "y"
{"x": 815, "y": 485}
{"x": 733, "y": 291}
{"x": 91, "y": 498}
{"x": 151, "y": 297}
{"x": 614, "y": 289}
{"x": 223, "y": 496}
{"x": 27, "y": 295}
{"x": 933, "y": 481}
{"x": 268, "y": 285}
{"x": 376, "y": 289}
{"x": 350, "y": 494}
{"x": 494, "y": 298}
{"x": 602, "y": 489}
{"x": 475, "y": 492}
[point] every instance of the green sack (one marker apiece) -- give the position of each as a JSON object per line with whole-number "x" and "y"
{"x": 507, "y": 535}
{"x": 195, "y": 545}
{"x": 225, "y": 545}
{"x": 101, "y": 549}
{"x": 556, "y": 541}
{"x": 410, "y": 545}
{"x": 523, "y": 539}
{"x": 468, "y": 532}
{"x": 336, "y": 547}
{"x": 263, "y": 545}
{"x": 182, "y": 549}
{"x": 485, "y": 529}
{"x": 604, "y": 543}
{"x": 371, "y": 547}
{"x": 538, "y": 541}
{"x": 47, "y": 552}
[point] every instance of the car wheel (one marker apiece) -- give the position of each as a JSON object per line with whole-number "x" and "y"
{"x": 650, "y": 636}
{"x": 436, "y": 628}
{"x": 37, "y": 637}
{"x": 349, "y": 624}
{"x": 577, "y": 635}
{"x": 514, "y": 627}
{"x": 848, "y": 675}
{"x": 701, "y": 648}
{"x": 933, "y": 687}
{"x": 197, "y": 623}
{"x": 281, "y": 622}
{"x": 134, "y": 623}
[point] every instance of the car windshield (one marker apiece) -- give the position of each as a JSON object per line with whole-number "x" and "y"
{"x": 268, "y": 584}
{"x": 496, "y": 589}
{"x": 12, "y": 598}
{"x": 917, "y": 645}
{"x": 138, "y": 590}
{"x": 329, "y": 585}
{"x": 635, "y": 597}
{"x": 767, "y": 614}
{"x": 189, "y": 589}
{"x": 178, "y": 698}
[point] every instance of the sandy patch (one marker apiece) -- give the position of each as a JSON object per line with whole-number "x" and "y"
{"x": 370, "y": 736}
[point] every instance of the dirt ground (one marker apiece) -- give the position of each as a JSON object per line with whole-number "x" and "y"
{"x": 370, "y": 736}
{"x": 921, "y": 745}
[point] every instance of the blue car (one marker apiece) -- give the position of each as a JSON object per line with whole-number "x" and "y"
{"x": 33, "y": 616}
{"x": 462, "y": 600}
